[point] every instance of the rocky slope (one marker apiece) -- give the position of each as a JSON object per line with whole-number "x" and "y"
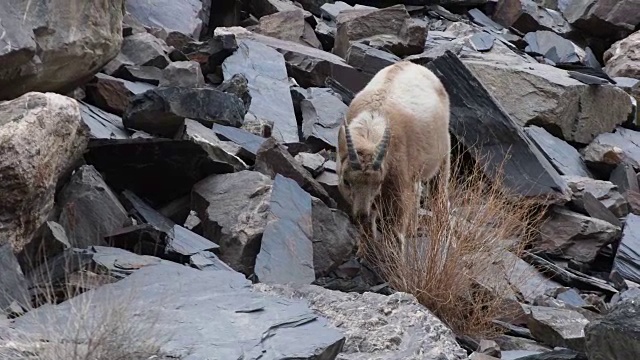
{"x": 185, "y": 150}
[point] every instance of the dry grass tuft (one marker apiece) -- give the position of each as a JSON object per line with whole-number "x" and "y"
{"x": 448, "y": 251}
{"x": 86, "y": 328}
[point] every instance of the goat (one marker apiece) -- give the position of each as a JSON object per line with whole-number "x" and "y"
{"x": 395, "y": 139}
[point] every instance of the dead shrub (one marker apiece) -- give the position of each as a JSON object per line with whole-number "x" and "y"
{"x": 447, "y": 251}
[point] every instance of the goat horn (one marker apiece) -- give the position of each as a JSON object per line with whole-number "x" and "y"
{"x": 353, "y": 155}
{"x": 382, "y": 148}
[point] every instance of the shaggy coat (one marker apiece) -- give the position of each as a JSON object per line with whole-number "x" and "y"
{"x": 395, "y": 139}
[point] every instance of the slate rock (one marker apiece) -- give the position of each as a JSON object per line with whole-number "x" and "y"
{"x": 312, "y": 162}
{"x": 616, "y": 335}
{"x": 624, "y": 177}
{"x": 529, "y": 15}
{"x": 493, "y": 126}
{"x": 265, "y": 71}
{"x": 564, "y": 157}
{"x": 622, "y": 59}
{"x": 238, "y": 85}
{"x": 295, "y": 331}
{"x": 571, "y": 235}
{"x": 369, "y": 59}
{"x": 145, "y": 74}
{"x": 392, "y": 25}
{"x": 42, "y": 135}
{"x": 162, "y": 111}
{"x": 136, "y": 164}
{"x": 249, "y": 143}
{"x": 290, "y": 26}
{"x": 331, "y": 10}
{"x": 141, "y": 49}
{"x": 553, "y": 47}
{"x": 182, "y": 73}
{"x": 272, "y": 159}
{"x": 482, "y": 41}
{"x": 50, "y": 241}
{"x": 13, "y": 286}
{"x": 600, "y": 18}
{"x": 627, "y": 259}
{"x": 223, "y": 152}
{"x": 508, "y": 342}
{"x": 326, "y": 34}
{"x": 378, "y": 326}
{"x": 563, "y": 106}
{"x": 101, "y": 124}
{"x": 54, "y": 46}
{"x": 184, "y": 16}
{"x": 334, "y": 238}
{"x": 261, "y": 8}
{"x": 322, "y": 114}
{"x": 234, "y": 217}
{"x": 112, "y": 94}
{"x": 558, "y": 327}
{"x": 609, "y": 149}
{"x": 596, "y": 209}
{"x": 286, "y": 251}
{"x": 605, "y": 191}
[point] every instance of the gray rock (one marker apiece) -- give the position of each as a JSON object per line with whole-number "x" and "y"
{"x": 557, "y": 327}
{"x": 55, "y": 46}
{"x": 286, "y": 251}
{"x": 571, "y": 235}
{"x": 290, "y": 26}
{"x": 182, "y": 73}
{"x": 268, "y": 82}
{"x": 482, "y": 41}
{"x": 260, "y": 8}
{"x": 280, "y": 327}
{"x": 141, "y": 49}
{"x": 507, "y": 343}
{"x": 605, "y": 191}
{"x": 248, "y": 142}
{"x": 539, "y": 94}
{"x": 13, "y": 286}
{"x": 616, "y": 335}
{"x": 234, "y": 217}
{"x": 596, "y": 209}
{"x": 112, "y": 94}
{"x": 312, "y": 162}
{"x": 162, "y": 111}
{"x": 609, "y": 149}
{"x": 89, "y": 209}
{"x": 334, "y": 238}
{"x": 564, "y": 157}
{"x": 183, "y": 16}
{"x": 273, "y": 158}
{"x": 145, "y": 74}
{"x": 627, "y": 258}
{"x": 41, "y": 138}
{"x": 218, "y": 150}
{"x": 323, "y": 113}
{"x": 50, "y": 241}
{"x": 622, "y": 58}
{"x": 378, "y": 326}
{"x": 331, "y": 10}
{"x": 391, "y": 27}
{"x": 369, "y": 59}
{"x": 601, "y": 18}
{"x": 553, "y": 47}
{"x": 624, "y": 177}
{"x": 101, "y": 124}
{"x": 238, "y": 85}
{"x": 528, "y": 15}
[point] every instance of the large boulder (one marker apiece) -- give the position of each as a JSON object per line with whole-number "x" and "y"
{"x": 602, "y": 18}
{"x": 623, "y": 58}
{"x": 546, "y": 96}
{"x": 616, "y": 335}
{"x": 55, "y": 45}
{"x": 186, "y": 17}
{"x": 41, "y": 137}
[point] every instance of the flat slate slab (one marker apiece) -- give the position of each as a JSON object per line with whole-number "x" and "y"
{"x": 205, "y": 314}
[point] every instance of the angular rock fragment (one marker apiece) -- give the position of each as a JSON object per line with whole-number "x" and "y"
{"x": 558, "y": 327}
{"x": 55, "y": 46}
{"x": 609, "y": 149}
{"x": 312, "y": 162}
{"x": 623, "y": 58}
{"x": 616, "y": 335}
{"x": 596, "y": 209}
{"x": 182, "y": 73}
{"x": 145, "y": 74}
{"x": 261, "y": 8}
{"x": 564, "y": 157}
{"x": 553, "y": 47}
{"x": 272, "y": 158}
{"x": 602, "y": 18}
{"x": 137, "y": 164}
{"x": 238, "y": 85}
{"x": 234, "y": 217}
{"x": 218, "y": 150}
{"x": 102, "y": 125}
{"x": 171, "y": 289}
{"x": 265, "y": 70}
{"x": 141, "y": 49}
{"x": 50, "y": 241}
{"x": 528, "y": 172}
{"x": 331, "y": 10}
{"x": 627, "y": 259}
{"x": 162, "y": 111}
{"x": 13, "y": 286}
{"x": 290, "y": 26}
{"x": 334, "y": 238}
{"x": 286, "y": 251}
{"x": 42, "y": 135}
{"x": 391, "y": 26}
{"x": 570, "y": 235}
{"x": 248, "y": 142}
{"x": 605, "y": 191}
{"x": 378, "y": 326}
{"x": 112, "y": 94}
{"x": 369, "y": 59}
{"x": 322, "y": 115}
{"x": 528, "y": 15}
{"x": 563, "y": 106}
{"x": 624, "y": 177}
{"x": 183, "y": 16}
